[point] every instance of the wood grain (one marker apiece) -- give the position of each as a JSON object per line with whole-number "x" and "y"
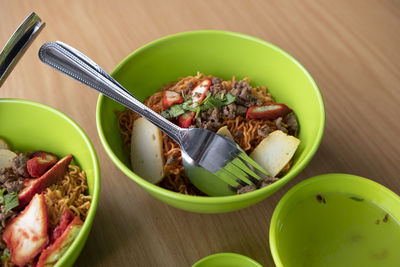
{"x": 351, "y": 48}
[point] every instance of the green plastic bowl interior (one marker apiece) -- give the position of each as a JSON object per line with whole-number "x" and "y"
{"x": 226, "y": 260}
{"x": 336, "y": 220}
{"x": 28, "y": 126}
{"x": 222, "y": 54}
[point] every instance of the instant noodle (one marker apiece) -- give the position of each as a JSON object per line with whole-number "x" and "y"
{"x": 43, "y": 203}
{"x": 224, "y": 103}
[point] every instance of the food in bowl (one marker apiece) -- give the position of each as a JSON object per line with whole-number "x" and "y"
{"x": 264, "y": 129}
{"x": 43, "y": 203}
{"x": 182, "y": 54}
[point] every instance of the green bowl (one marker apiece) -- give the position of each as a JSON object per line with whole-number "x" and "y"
{"x": 336, "y": 220}
{"x": 226, "y": 260}
{"x": 223, "y": 54}
{"x": 28, "y": 125}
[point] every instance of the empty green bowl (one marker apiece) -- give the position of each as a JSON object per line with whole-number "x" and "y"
{"x": 226, "y": 260}
{"x": 336, "y": 220}
{"x": 28, "y": 126}
{"x": 222, "y": 54}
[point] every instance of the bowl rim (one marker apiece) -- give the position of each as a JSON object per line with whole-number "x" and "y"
{"x": 209, "y": 199}
{"x": 227, "y": 254}
{"x": 96, "y": 170}
{"x": 317, "y": 181}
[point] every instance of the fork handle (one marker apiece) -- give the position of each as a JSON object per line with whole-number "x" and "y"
{"x": 81, "y": 68}
{"x": 18, "y": 43}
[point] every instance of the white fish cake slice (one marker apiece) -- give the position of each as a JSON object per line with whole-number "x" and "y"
{"x": 4, "y": 144}
{"x": 6, "y": 156}
{"x": 147, "y": 151}
{"x": 275, "y": 151}
{"x": 225, "y": 132}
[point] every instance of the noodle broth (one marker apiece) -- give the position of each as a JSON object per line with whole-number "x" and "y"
{"x": 337, "y": 229}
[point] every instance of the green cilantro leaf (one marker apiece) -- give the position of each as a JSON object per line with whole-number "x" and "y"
{"x": 205, "y": 99}
{"x": 11, "y": 200}
{"x": 173, "y": 111}
{"x": 209, "y": 102}
{"x": 230, "y": 99}
{"x": 2, "y": 196}
{"x": 188, "y": 105}
{"x": 219, "y": 96}
{"x": 216, "y": 102}
{"x": 197, "y": 112}
{"x": 6, "y": 255}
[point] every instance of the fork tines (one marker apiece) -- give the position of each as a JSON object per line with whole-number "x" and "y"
{"x": 241, "y": 171}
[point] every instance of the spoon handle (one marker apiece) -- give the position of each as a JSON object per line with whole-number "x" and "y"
{"x": 78, "y": 66}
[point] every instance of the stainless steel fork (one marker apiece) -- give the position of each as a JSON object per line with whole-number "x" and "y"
{"x": 216, "y": 165}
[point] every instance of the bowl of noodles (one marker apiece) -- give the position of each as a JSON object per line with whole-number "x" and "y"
{"x": 65, "y": 185}
{"x": 238, "y": 68}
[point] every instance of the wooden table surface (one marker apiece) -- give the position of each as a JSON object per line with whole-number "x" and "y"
{"x": 351, "y": 48}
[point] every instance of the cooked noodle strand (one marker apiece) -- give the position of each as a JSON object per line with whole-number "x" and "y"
{"x": 244, "y": 131}
{"x": 69, "y": 192}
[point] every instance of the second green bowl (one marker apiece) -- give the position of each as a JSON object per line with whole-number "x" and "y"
{"x": 30, "y": 126}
